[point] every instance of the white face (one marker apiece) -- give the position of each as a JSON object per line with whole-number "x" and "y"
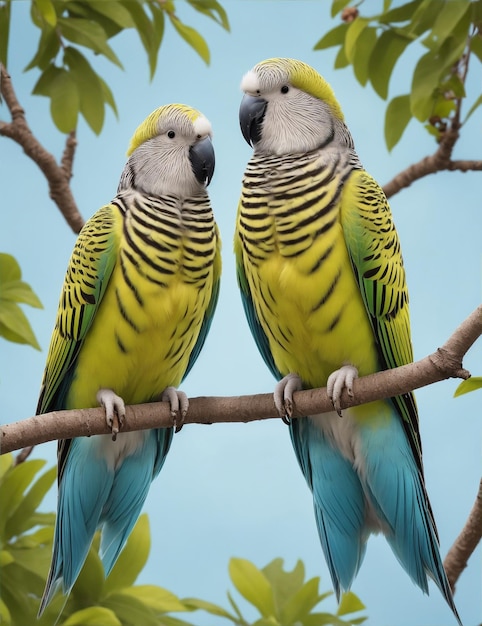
{"x": 294, "y": 121}
{"x": 161, "y": 165}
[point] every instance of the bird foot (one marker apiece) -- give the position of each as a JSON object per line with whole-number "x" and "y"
{"x": 179, "y": 403}
{"x": 283, "y": 395}
{"x": 115, "y": 410}
{"x": 339, "y": 380}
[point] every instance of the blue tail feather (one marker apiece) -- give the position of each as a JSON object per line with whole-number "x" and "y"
{"x": 381, "y": 481}
{"x": 395, "y": 489}
{"x": 124, "y": 504}
{"x": 338, "y": 501}
{"x": 91, "y": 494}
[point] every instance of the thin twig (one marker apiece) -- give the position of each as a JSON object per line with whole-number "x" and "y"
{"x": 58, "y": 176}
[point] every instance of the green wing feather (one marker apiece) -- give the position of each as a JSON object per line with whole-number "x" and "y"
{"x": 86, "y": 280}
{"x": 374, "y": 250}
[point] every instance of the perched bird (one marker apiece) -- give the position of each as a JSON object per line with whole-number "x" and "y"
{"x": 323, "y": 287}
{"x": 136, "y": 305}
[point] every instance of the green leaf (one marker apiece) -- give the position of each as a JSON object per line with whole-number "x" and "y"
{"x": 192, "y": 37}
{"x": 471, "y": 384}
{"x": 14, "y": 483}
{"x": 425, "y": 80}
{"x": 88, "y": 10}
{"x": 422, "y": 18}
{"x": 402, "y": 13}
{"x": 89, "y": 88}
{"x": 362, "y": 55}
{"x": 88, "y": 34}
{"x": 334, "y": 37}
{"x": 132, "y": 558}
{"x": 18, "y": 291}
{"x": 449, "y": 14}
{"x": 397, "y": 117}
{"x": 338, "y": 5}
{"x": 5, "y": 617}
{"x": 21, "y": 520}
{"x": 384, "y": 55}
{"x": 156, "y": 598}
{"x": 341, "y": 60}
{"x": 209, "y": 607}
{"x": 130, "y": 610}
{"x": 9, "y": 269}
{"x": 48, "y": 47}
{"x": 157, "y": 36}
{"x": 355, "y": 29}
{"x": 93, "y": 616}
{"x": 12, "y": 288}
{"x": 284, "y": 583}
{"x": 213, "y": 10}
{"x": 350, "y": 603}
{"x": 64, "y": 101}
{"x": 4, "y": 32}
{"x": 5, "y": 559}
{"x": 47, "y": 10}
{"x": 300, "y": 604}
{"x": 116, "y": 12}
{"x": 6, "y": 462}
{"x": 253, "y": 585}
{"x": 14, "y": 325}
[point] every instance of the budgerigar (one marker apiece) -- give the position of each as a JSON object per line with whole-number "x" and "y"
{"x": 136, "y": 305}
{"x": 323, "y": 287}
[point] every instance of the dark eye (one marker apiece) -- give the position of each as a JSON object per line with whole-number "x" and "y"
{"x": 171, "y": 134}
{"x": 285, "y": 89}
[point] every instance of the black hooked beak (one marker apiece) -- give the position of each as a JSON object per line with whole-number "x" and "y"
{"x": 251, "y": 114}
{"x": 201, "y": 155}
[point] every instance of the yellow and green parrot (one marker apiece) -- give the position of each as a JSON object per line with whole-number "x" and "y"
{"x": 323, "y": 287}
{"x": 136, "y": 306}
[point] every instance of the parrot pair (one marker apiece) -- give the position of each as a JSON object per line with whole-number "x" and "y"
{"x": 323, "y": 287}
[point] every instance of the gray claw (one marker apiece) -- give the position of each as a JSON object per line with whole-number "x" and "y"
{"x": 179, "y": 404}
{"x": 115, "y": 410}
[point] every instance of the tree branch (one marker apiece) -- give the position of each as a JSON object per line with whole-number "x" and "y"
{"x": 465, "y": 544}
{"x": 439, "y": 161}
{"x": 445, "y": 363}
{"x": 58, "y": 177}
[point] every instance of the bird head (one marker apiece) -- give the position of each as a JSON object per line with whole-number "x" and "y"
{"x": 170, "y": 152}
{"x": 289, "y": 108}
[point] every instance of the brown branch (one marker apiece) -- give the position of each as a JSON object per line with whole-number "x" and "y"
{"x": 440, "y": 160}
{"x": 58, "y": 176}
{"x": 445, "y": 363}
{"x": 465, "y": 544}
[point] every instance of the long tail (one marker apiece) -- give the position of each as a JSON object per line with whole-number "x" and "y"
{"x": 395, "y": 487}
{"x": 381, "y": 475}
{"x": 92, "y": 493}
{"x": 338, "y": 501}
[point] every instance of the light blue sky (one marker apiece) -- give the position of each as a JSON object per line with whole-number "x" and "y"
{"x": 236, "y": 490}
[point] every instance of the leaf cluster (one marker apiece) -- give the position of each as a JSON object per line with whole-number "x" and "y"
{"x": 282, "y": 598}
{"x": 447, "y": 32}
{"x": 14, "y": 325}
{"x": 73, "y": 32}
